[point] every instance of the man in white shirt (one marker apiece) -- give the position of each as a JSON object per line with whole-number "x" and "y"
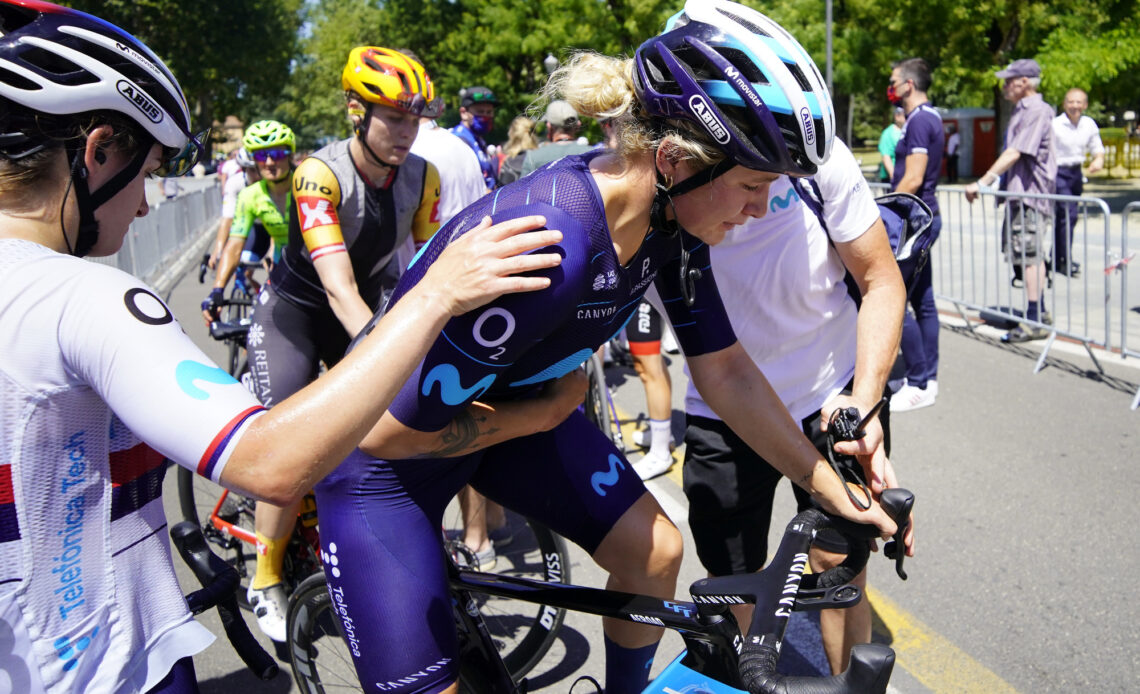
{"x": 1075, "y": 135}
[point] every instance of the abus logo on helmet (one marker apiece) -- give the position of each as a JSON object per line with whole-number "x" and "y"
{"x": 699, "y": 106}
{"x": 809, "y": 126}
{"x": 141, "y": 101}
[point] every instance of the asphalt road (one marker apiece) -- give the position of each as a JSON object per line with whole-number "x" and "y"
{"x": 1026, "y": 493}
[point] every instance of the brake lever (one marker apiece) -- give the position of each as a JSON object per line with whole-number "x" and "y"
{"x": 845, "y": 425}
{"x": 898, "y": 504}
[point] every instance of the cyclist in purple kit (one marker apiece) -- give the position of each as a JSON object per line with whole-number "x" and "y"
{"x": 100, "y": 386}
{"x": 699, "y": 147}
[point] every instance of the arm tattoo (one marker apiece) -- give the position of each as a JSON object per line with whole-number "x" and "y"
{"x": 460, "y": 436}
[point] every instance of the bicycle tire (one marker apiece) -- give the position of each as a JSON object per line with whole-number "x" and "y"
{"x": 313, "y": 631}
{"x": 597, "y": 403}
{"x": 523, "y": 632}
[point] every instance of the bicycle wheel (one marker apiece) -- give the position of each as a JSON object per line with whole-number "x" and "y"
{"x": 197, "y": 499}
{"x": 318, "y": 653}
{"x": 523, "y": 632}
{"x": 598, "y": 404}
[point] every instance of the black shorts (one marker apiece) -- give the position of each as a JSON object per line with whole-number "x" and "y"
{"x": 644, "y": 331}
{"x": 730, "y": 491}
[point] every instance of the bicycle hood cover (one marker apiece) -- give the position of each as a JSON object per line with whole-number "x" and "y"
{"x": 745, "y": 81}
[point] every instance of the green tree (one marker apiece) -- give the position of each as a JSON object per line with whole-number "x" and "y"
{"x": 225, "y": 53}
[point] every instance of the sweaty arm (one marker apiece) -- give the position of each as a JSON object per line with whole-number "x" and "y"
{"x": 436, "y": 416}
{"x": 878, "y": 331}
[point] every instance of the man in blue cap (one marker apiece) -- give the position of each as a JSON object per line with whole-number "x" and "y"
{"x": 476, "y": 119}
{"x": 1031, "y": 164}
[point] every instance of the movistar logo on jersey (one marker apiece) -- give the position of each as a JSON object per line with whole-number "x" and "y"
{"x": 140, "y": 100}
{"x": 451, "y": 389}
{"x": 783, "y": 202}
{"x": 188, "y": 373}
{"x": 601, "y": 481}
{"x": 809, "y": 126}
{"x": 699, "y": 106}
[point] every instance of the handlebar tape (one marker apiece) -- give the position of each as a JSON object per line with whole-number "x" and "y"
{"x": 219, "y": 586}
{"x": 868, "y": 673}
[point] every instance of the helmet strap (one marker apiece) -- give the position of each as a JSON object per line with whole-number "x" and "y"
{"x": 362, "y": 133}
{"x": 662, "y": 199}
{"x": 87, "y": 202}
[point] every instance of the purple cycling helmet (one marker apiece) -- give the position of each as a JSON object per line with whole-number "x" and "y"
{"x": 742, "y": 79}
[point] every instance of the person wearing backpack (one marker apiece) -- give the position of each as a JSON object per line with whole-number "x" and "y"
{"x": 781, "y": 278}
{"x": 918, "y": 163}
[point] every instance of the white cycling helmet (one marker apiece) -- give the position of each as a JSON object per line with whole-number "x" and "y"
{"x": 244, "y": 159}
{"x": 744, "y": 80}
{"x": 57, "y": 66}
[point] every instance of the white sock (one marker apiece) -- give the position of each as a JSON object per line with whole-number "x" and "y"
{"x": 659, "y": 431}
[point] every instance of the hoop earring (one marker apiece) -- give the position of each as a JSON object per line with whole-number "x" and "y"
{"x": 668, "y": 180}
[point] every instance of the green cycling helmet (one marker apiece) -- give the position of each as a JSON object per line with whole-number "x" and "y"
{"x": 268, "y": 133}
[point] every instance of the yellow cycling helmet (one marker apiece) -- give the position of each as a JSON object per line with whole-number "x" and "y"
{"x": 390, "y": 78}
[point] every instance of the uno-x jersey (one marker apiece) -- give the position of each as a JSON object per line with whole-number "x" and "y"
{"x": 255, "y": 204}
{"x": 337, "y": 211}
{"x": 94, "y": 366}
{"x": 505, "y": 348}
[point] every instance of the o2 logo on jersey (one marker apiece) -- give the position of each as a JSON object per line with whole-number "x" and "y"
{"x": 451, "y": 388}
{"x": 69, "y": 652}
{"x": 144, "y": 306}
{"x": 602, "y": 480}
{"x": 188, "y": 373}
{"x": 494, "y": 336}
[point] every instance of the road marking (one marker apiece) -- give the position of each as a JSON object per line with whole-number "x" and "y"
{"x": 931, "y": 659}
{"x": 928, "y": 657}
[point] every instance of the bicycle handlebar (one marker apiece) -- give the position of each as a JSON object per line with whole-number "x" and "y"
{"x": 782, "y": 587}
{"x": 219, "y": 587}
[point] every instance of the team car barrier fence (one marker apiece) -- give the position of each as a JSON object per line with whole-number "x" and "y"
{"x": 1093, "y": 308}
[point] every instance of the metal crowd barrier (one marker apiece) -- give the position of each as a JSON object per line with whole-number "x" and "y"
{"x": 1122, "y": 268}
{"x": 156, "y": 240}
{"x": 971, "y": 272}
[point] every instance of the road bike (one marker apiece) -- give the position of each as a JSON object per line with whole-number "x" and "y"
{"x": 717, "y": 659}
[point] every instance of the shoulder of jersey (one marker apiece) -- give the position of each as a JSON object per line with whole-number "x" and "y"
{"x": 314, "y": 178}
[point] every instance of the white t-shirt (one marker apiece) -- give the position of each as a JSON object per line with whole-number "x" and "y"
{"x": 460, "y": 177}
{"x": 98, "y": 385}
{"x": 229, "y": 167}
{"x": 235, "y": 183}
{"x": 781, "y": 281}
{"x": 1073, "y": 142}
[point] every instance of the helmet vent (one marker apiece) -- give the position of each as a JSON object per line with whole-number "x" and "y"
{"x": 60, "y": 69}
{"x": 17, "y": 81}
{"x": 742, "y": 62}
{"x": 13, "y": 17}
{"x": 743, "y": 22}
{"x": 801, "y": 78}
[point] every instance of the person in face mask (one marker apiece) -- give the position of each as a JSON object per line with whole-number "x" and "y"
{"x": 477, "y": 118}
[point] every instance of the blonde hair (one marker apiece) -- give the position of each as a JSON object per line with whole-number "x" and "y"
{"x": 601, "y": 87}
{"x": 520, "y": 137}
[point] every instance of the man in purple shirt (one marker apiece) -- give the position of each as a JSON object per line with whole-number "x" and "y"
{"x": 1031, "y": 164}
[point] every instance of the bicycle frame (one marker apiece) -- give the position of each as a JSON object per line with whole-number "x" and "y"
{"x": 714, "y": 645}
{"x": 709, "y": 630}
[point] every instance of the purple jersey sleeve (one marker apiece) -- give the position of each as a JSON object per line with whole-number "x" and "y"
{"x": 703, "y": 327}
{"x": 475, "y": 349}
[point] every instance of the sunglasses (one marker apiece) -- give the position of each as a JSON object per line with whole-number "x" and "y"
{"x": 482, "y": 96}
{"x": 277, "y": 153}
{"x": 179, "y": 162}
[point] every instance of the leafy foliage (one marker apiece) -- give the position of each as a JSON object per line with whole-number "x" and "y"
{"x": 282, "y": 58}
